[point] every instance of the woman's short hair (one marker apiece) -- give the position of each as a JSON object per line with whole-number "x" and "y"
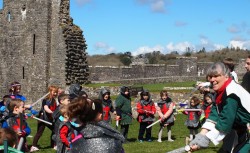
{"x": 217, "y": 69}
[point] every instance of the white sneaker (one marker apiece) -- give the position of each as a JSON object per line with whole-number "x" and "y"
{"x": 33, "y": 149}
{"x": 159, "y": 140}
{"x": 55, "y": 148}
{"x": 171, "y": 140}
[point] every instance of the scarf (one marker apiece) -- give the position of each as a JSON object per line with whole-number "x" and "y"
{"x": 221, "y": 91}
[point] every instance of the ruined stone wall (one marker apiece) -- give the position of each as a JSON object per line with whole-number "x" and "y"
{"x": 202, "y": 68}
{"x": 132, "y": 72}
{"x": 187, "y": 66}
{"x": 154, "y": 70}
{"x": 172, "y": 70}
{"x": 186, "y": 69}
{"x": 102, "y": 73}
{"x": 38, "y": 46}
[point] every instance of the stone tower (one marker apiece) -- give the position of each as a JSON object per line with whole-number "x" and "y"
{"x": 40, "y": 46}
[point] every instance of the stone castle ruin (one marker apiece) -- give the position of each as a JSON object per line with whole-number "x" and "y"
{"x": 185, "y": 69}
{"x": 40, "y": 46}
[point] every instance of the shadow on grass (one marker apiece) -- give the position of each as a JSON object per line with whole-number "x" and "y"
{"x": 132, "y": 139}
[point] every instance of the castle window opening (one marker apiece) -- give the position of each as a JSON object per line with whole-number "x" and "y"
{"x": 23, "y": 72}
{"x": 8, "y": 16}
{"x": 23, "y": 12}
{"x": 34, "y": 44}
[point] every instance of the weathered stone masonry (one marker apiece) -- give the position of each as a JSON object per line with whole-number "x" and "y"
{"x": 185, "y": 69}
{"x": 40, "y": 46}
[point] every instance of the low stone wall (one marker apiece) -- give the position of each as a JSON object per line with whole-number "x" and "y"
{"x": 154, "y": 80}
{"x": 185, "y": 69}
{"x": 176, "y": 96}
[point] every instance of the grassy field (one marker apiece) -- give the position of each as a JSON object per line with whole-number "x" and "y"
{"x": 179, "y": 132}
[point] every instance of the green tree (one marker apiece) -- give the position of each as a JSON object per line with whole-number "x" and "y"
{"x": 203, "y": 50}
{"x": 126, "y": 58}
{"x": 126, "y": 61}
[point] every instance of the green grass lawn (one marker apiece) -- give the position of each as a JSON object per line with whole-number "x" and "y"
{"x": 179, "y": 132}
{"x": 156, "y": 87}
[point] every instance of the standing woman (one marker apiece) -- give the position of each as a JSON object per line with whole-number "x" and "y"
{"x": 95, "y": 134}
{"x": 48, "y": 106}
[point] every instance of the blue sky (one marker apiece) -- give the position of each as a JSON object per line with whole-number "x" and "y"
{"x": 141, "y": 26}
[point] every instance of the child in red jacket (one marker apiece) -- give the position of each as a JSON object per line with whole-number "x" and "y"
{"x": 66, "y": 131}
{"x": 206, "y": 107}
{"x": 208, "y": 99}
{"x": 146, "y": 111}
{"x": 165, "y": 111}
{"x": 193, "y": 120}
{"x": 18, "y": 123}
{"x": 106, "y": 105}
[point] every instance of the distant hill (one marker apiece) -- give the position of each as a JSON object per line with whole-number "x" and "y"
{"x": 157, "y": 57}
{"x": 104, "y": 60}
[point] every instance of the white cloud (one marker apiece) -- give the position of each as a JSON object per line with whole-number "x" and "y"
{"x": 146, "y": 49}
{"x": 218, "y": 46}
{"x": 104, "y": 48}
{"x": 204, "y": 41}
{"x": 158, "y": 6}
{"x": 240, "y": 44}
{"x": 208, "y": 45}
{"x": 180, "y": 47}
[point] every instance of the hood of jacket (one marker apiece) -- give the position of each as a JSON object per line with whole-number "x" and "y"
{"x": 101, "y": 129}
{"x": 122, "y": 91}
{"x": 103, "y": 92}
{"x": 74, "y": 90}
{"x": 145, "y": 92}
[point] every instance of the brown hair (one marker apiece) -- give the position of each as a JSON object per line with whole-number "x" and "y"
{"x": 6, "y": 98}
{"x": 64, "y": 110}
{"x": 10, "y": 135}
{"x": 84, "y": 109}
{"x": 14, "y": 86}
{"x": 229, "y": 63}
{"x": 14, "y": 103}
{"x": 62, "y": 97}
{"x": 196, "y": 100}
{"x": 164, "y": 92}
